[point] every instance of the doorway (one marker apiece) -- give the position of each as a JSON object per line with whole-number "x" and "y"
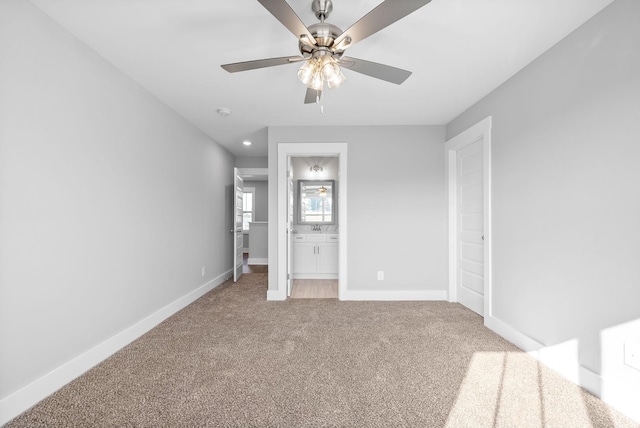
{"x": 286, "y": 210}
{"x": 251, "y": 221}
{"x": 469, "y": 181}
{"x": 313, "y": 221}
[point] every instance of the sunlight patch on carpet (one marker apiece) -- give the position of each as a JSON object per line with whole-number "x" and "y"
{"x": 513, "y": 389}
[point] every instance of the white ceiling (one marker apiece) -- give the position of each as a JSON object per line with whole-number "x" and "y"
{"x": 458, "y": 51}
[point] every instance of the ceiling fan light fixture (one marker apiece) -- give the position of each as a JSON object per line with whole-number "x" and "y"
{"x": 317, "y": 83}
{"x": 336, "y": 81}
{"x": 322, "y": 45}
{"x": 330, "y": 70}
{"x": 307, "y": 72}
{"x": 317, "y": 71}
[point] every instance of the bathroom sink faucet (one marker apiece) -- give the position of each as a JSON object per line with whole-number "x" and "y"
{"x": 316, "y": 228}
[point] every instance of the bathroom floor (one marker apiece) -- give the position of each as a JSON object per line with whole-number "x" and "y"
{"x": 314, "y": 289}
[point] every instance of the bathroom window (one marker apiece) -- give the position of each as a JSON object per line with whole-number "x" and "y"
{"x": 248, "y": 206}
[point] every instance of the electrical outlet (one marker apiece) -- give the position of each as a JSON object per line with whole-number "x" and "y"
{"x": 204, "y": 270}
{"x": 632, "y": 355}
{"x": 380, "y": 275}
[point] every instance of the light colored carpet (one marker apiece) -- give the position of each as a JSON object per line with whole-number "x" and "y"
{"x": 232, "y": 359}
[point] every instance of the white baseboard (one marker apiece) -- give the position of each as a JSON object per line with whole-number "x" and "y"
{"x": 315, "y": 276}
{"x": 615, "y": 392}
{"x": 564, "y": 359}
{"x": 591, "y": 381}
{"x": 276, "y": 295}
{"x": 379, "y": 295}
{"x": 257, "y": 261}
{"x": 26, "y": 397}
{"x": 514, "y": 336}
{"x": 393, "y": 295}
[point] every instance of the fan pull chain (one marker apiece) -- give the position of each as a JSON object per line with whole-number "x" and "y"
{"x": 318, "y": 102}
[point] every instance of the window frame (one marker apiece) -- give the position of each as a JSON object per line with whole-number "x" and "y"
{"x": 252, "y": 191}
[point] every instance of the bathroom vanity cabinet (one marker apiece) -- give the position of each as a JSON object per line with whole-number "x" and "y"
{"x": 315, "y": 256}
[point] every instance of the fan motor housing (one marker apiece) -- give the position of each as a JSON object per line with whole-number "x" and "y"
{"x": 322, "y": 8}
{"x": 324, "y": 34}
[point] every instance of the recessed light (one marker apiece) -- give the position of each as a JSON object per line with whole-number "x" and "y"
{"x": 224, "y": 112}
{"x": 246, "y": 143}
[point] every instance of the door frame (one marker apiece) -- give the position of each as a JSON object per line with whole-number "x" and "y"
{"x": 303, "y": 150}
{"x": 238, "y": 187}
{"x": 481, "y": 130}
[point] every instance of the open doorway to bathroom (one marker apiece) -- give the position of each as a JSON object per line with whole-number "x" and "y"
{"x": 314, "y": 226}
{"x": 312, "y": 219}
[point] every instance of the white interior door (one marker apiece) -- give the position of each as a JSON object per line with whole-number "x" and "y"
{"x": 238, "y": 243}
{"x": 470, "y": 226}
{"x": 290, "y": 213}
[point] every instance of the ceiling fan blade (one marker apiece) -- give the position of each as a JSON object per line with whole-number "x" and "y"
{"x": 260, "y": 63}
{"x": 385, "y": 14}
{"x": 312, "y": 96}
{"x": 283, "y": 13}
{"x": 374, "y": 69}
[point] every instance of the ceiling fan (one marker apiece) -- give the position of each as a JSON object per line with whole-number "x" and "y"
{"x": 322, "y": 45}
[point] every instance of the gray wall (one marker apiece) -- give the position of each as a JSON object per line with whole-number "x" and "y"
{"x": 110, "y": 203}
{"x": 566, "y": 186}
{"x": 251, "y": 162}
{"x": 396, "y": 203}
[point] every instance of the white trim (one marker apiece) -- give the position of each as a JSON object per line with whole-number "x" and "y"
{"x": 481, "y": 130}
{"x": 514, "y": 336}
{"x": 253, "y": 172}
{"x": 310, "y": 149}
{"x": 276, "y": 295}
{"x": 615, "y": 392}
{"x": 592, "y": 382}
{"x": 251, "y": 190}
{"x": 257, "y": 261}
{"x": 315, "y": 275}
{"x": 21, "y": 400}
{"x": 394, "y": 295}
